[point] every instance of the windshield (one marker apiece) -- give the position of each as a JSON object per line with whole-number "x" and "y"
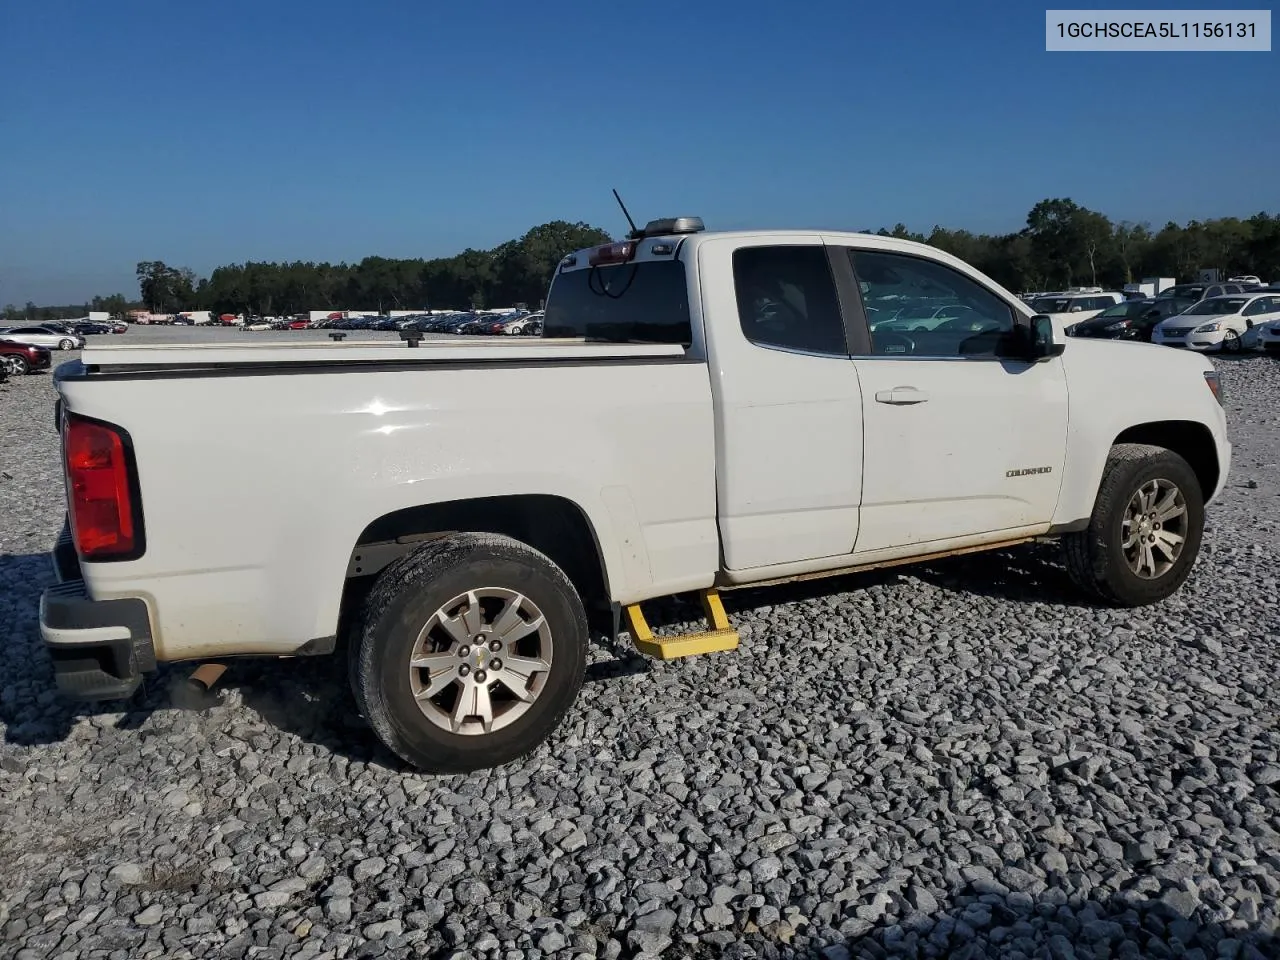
{"x": 1121, "y": 310}
{"x": 646, "y": 302}
{"x": 1218, "y": 306}
{"x": 1194, "y": 291}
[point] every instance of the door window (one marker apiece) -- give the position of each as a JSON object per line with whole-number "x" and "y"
{"x": 787, "y": 299}
{"x": 977, "y": 323}
{"x": 1260, "y": 306}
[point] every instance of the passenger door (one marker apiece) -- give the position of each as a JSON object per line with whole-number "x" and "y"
{"x": 788, "y": 408}
{"x": 958, "y": 441}
{"x": 1262, "y": 310}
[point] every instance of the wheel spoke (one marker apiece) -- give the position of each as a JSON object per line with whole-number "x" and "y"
{"x": 442, "y": 670}
{"x": 524, "y": 667}
{"x": 522, "y": 628}
{"x": 435, "y": 662}
{"x": 456, "y": 629}
{"x": 510, "y": 617}
{"x": 1168, "y": 543}
{"x": 472, "y": 616}
{"x": 512, "y": 682}
{"x": 474, "y": 702}
{"x": 1129, "y": 530}
{"x": 1148, "y": 559}
{"x": 1150, "y": 496}
{"x": 1169, "y": 508}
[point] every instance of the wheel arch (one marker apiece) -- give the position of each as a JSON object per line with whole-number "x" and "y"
{"x": 1189, "y": 439}
{"x": 553, "y": 525}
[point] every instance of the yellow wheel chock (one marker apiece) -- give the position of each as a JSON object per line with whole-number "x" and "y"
{"x": 721, "y": 636}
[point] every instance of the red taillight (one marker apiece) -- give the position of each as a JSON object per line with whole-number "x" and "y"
{"x": 612, "y": 253}
{"x": 100, "y": 490}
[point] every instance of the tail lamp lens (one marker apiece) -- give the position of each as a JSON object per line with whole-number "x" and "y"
{"x": 99, "y": 488}
{"x": 1214, "y": 383}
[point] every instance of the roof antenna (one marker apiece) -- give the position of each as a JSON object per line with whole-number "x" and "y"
{"x": 634, "y": 234}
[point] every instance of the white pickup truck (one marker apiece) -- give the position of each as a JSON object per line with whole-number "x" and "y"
{"x": 704, "y": 411}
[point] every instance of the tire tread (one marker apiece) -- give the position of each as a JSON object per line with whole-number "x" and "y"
{"x": 1086, "y": 553}
{"x": 417, "y": 570}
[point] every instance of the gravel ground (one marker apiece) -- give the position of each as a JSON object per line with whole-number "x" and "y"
{"x": 959, "y": 761}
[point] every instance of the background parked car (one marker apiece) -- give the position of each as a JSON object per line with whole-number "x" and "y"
{"x": 1201, "y": 291}
{"x": 45, "y": 336}
{"x": 1131, "y": 320}
{"x": 514, "y": 327}
{"x": 1072, "y": 308}
{"x": 17, "y": 359}
{"x": 1219, "y": 323}
{"x": 1269, "y": 337}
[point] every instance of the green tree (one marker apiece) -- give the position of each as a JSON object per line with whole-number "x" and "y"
{"x": 166, "y": 289}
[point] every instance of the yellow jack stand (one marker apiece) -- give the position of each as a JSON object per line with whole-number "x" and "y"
{"x": 721, "y": 636}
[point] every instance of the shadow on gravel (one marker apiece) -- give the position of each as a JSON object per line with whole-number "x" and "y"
{"x": 308, "y": 697}
{"x": 1052, "y": 925}
{"x": 1029, "y": 573}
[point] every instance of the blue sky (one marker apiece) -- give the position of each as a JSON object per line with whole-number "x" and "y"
{"x": 203, "y": 133}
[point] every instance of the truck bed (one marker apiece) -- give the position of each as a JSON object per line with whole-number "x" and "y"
{"x": 261, "y": 466}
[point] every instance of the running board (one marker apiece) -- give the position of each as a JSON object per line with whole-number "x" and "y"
{"x": 721, "y": 636}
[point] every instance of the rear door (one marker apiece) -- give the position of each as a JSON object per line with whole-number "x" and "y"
{"x": 788, "y": 407}
{"x": 1262, "y": 310}
{"x": 957, "y": 441}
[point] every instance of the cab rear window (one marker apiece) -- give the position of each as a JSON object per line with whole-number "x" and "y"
{"x": 643, "y": 302}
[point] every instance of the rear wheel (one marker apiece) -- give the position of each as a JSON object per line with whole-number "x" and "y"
{"x": 15, "y": 365}
{"x": 1146, "y": 528}
{"x": 471, "y": 651}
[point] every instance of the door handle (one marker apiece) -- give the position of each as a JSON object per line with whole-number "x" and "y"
{"x": 901, "y": 396}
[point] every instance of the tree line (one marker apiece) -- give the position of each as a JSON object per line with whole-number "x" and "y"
{"x": 1063, "y": 244}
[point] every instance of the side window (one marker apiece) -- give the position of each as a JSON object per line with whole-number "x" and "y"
{"x": 1261, "y": 305}
{"x": 787, "y": 299}
{"x": 972, "y": 321}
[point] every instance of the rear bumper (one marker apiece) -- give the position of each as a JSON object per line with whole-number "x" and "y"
{"x": 100, "y": 648}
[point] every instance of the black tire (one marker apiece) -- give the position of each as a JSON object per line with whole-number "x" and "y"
{"x": 66, "y": 344}
{"x": 16, "y": 365}
{"x": 405, "y": 597}
{"x": 1095, "y": 557}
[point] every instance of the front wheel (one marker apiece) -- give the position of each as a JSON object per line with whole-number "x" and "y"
{"x": 66, "y": 344}
{"x": 1145, "y": 531}
{"x": 470, "y": 652}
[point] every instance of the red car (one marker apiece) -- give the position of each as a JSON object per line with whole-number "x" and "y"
{"x": 19, "y": 358}
{"x": 299, "y": 324}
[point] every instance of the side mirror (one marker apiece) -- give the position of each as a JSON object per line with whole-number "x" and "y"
{"x": 1037, "y": 339}
{"x": 1044, "y": 345}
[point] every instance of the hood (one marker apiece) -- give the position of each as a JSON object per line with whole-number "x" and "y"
{"x": 1200, "y": 321}
{"x": 1094, "y": 324}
